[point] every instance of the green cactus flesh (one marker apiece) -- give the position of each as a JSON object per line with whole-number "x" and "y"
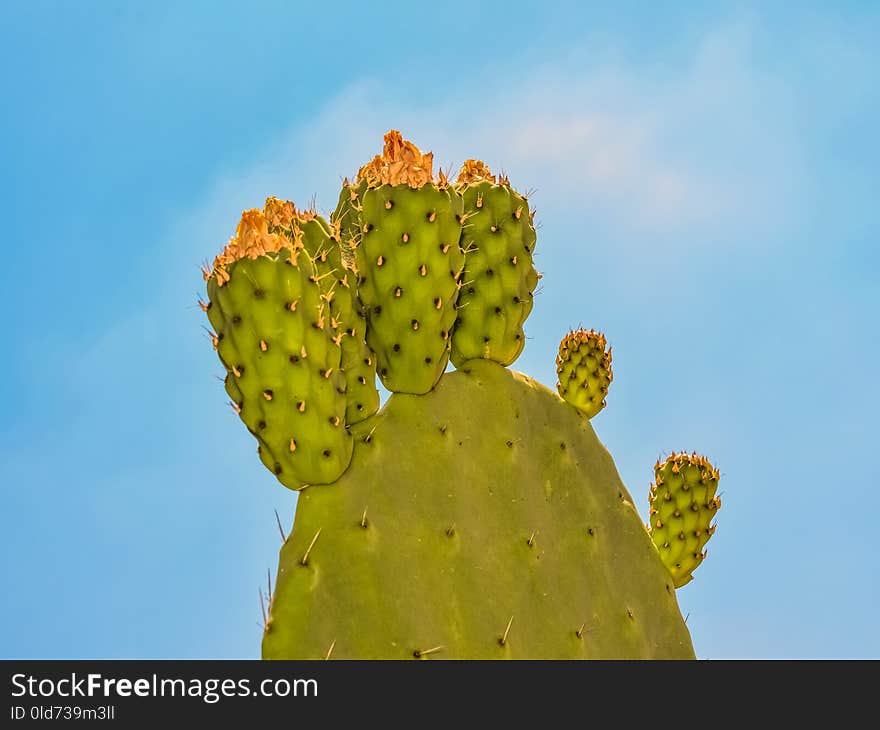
{"x": 583, "y": 367}
{"x": 499, "y": 278}
{"x": 682, "y": 507}
{"x": 409, "y": 261}
{"x": 358, "y": 361}
{"x": 511, "y": 537}
{"x": 346, "y": 219}
{"x": 337, "y": 284}
{"x": 282, "y": 362}
{"x": 359, "y": 368}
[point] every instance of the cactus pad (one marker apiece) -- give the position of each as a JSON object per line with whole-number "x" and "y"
{"x": 511, "y": 537}
{"x": 682, "y": 506}
{"x": 337, "y": 284}
{"x": 583, "y": 366}
{"x": 499, "y": 281}
{"x": 273, "y": 336}
{"x": 409, "y": 262}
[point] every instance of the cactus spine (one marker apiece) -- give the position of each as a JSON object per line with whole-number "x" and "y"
{"x": 498, "y": 239}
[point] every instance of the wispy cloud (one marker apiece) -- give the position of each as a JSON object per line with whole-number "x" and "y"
{"x": 700, "y": 157}
{"x": 705, "y": 149}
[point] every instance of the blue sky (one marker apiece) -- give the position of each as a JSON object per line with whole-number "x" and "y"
{"x": 706, "y": 183}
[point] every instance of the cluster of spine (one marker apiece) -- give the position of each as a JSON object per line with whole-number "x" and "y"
{"x": 499, "y": 282}
{"x": 583, "y": 367}
{"x": 683, "y": 504}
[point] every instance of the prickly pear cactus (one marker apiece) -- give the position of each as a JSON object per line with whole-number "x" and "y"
{"x": 476, "y": 514}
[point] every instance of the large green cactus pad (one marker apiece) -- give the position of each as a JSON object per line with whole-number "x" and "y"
{"x": 482, "y": 520}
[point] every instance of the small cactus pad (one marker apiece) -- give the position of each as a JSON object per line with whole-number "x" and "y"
{"x": 519, "y": 540}
{"x": 583, "y": 367}
{"x": 409, "y": 262}
{"x": 273, "y": 336}
{"x": 499, "y": 280}
{"x": 682, "y": 506}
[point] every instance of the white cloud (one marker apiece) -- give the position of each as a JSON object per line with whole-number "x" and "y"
{"x": 694, "y": 152}
{"x": 704, "y": 156}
